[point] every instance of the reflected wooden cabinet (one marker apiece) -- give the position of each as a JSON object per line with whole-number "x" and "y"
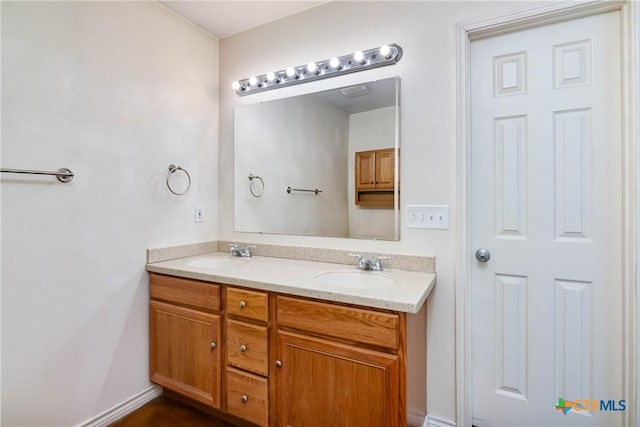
{"x": 358, "y": 386}
{"x": 375, "y": 177}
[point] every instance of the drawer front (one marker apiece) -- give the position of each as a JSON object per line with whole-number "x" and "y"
{"x": 354, "y": 324}
{"x": 248, "y": 347}
{"x": 250, "y": 304}
{"x": 177, "y": 290}
{"x": 247, "y": 397}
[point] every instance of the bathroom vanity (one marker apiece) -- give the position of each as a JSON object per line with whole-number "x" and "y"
{"x": 280, "y": 342}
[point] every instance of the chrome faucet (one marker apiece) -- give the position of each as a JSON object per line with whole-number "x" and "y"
{"x": 235, "y": 250}
{"x": 369, "y": 265}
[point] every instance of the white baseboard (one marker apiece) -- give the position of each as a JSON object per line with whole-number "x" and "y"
{"x": 432, "y": 421}
{"x": 124, "y": 408}
{"x": 415, "y": 419}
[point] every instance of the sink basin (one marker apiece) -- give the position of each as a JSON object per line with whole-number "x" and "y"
{"x": 354, "y": 279}
{"x": 217, "y": 262}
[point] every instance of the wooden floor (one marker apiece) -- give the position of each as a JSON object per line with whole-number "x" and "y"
{"x": 165, "y": 412}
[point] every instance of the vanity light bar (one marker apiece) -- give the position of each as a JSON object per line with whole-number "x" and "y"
{"x": 336, "y": 66}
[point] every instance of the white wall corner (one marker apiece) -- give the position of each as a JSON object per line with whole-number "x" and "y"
{"x": 432, "y": 421}
{"x": 124, "y": 408}
{"x": 416, "y": 419}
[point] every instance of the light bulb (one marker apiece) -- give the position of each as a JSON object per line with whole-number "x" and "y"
{"x": 358, "y": 56}
{"x": 271, "y": 76}
{"x": 253, "y": 81}
{"x": 235, "y": 85}
{"x": 334, "y": 62}
{"x": 385, "y": 50}
{"x": 312, "y": 67}
{"x": 291, "y": 72}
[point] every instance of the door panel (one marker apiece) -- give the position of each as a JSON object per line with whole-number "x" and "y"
{"x": 182, "y": 356}
{"x": 322, "y": 383}
{"x": 546, "y": 184}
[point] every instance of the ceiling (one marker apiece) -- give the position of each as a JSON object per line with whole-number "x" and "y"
{"x": 362, "y": 97}
{"x": 225, "y": 18}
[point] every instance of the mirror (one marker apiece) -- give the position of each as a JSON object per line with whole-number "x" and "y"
{"x": 320, "y": 164}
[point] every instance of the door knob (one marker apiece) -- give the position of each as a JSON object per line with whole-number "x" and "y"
{"x": 483, "y": 255}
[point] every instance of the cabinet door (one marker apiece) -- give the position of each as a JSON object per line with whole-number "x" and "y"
{"x": 365, "y": 170}
{"x": 385, "y": 166}
{"x": 184, "y": 357}
{"x": 322, "y": 383}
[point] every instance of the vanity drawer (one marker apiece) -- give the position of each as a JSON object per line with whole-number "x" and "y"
{"x": 193, "y": 293}
{"x": 250, "y": 304}
{"x": 247, "y": 396}
{"x": 355, "y": 324}
{"x": 248, "y": 347}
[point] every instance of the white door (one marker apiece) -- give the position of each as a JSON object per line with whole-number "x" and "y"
{"x": 546, "y": 187}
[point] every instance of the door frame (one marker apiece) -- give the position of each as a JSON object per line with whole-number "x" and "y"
{"x": 515, "y": 20}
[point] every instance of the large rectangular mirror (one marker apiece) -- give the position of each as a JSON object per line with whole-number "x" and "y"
{"x": 320, "y": 164}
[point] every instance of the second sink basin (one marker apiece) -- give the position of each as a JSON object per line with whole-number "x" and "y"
{"x": 354, "y": 279}
{"x": 217, "y": 262}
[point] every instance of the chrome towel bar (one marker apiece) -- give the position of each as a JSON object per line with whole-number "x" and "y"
{"x": 315, "y": 190}
{"x": 63, "y": 174}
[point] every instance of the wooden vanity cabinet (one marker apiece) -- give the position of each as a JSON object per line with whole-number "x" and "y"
{"x": 325, "y": 383}
{"x": 339, "y": 365}
{"x": 185, "y": 330}
{"x": 287, "y": 361}
{"x": 247, "y": 351}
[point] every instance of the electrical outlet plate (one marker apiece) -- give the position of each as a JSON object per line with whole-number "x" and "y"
{"x": 198, "y": 214}
{"x": 428, "y": 216}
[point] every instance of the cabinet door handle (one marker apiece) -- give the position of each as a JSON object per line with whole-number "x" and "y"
{"x": 213, "y": 345}
{"x": 243, "y": 348}
{"x": 243, "y": 304}
{"x": 244, "y": 398}
{"x": 372, "y": 182}
{"x": 278, "y": 364}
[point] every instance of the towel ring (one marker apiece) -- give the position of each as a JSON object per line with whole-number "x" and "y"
{"x": 251, "y": 182}
{"x": 172, "y": 169}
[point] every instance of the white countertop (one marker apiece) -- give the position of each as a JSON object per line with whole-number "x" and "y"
{"x": 406, "y": 291}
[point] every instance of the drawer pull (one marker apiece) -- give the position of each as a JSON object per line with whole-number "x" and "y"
{"x": 243, "y": 304}
{"x": 213, "y": 345}
{"x": 278, "y": 364}
{"x": 243, "y": 348}
{"x": 244, "y": 398}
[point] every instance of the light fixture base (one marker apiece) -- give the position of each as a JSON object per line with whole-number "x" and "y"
{"x": 372, "y": 58}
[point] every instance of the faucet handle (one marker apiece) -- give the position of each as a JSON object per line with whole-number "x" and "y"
{"x": 362, "y": 263}
{"x": 248, "y": 249}
{"x": 233, "y": 245}
{"x": 378, "y": 264}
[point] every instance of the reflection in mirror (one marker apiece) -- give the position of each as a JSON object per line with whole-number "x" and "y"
{"x": 320, "y": 164}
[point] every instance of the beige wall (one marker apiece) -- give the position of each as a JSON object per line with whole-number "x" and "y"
{"x": 426, "y": 31}
{"x": 115, "y": 91}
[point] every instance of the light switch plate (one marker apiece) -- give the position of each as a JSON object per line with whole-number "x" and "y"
{"x": 428, "y": 216}
{"x": 198, "y": 214}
